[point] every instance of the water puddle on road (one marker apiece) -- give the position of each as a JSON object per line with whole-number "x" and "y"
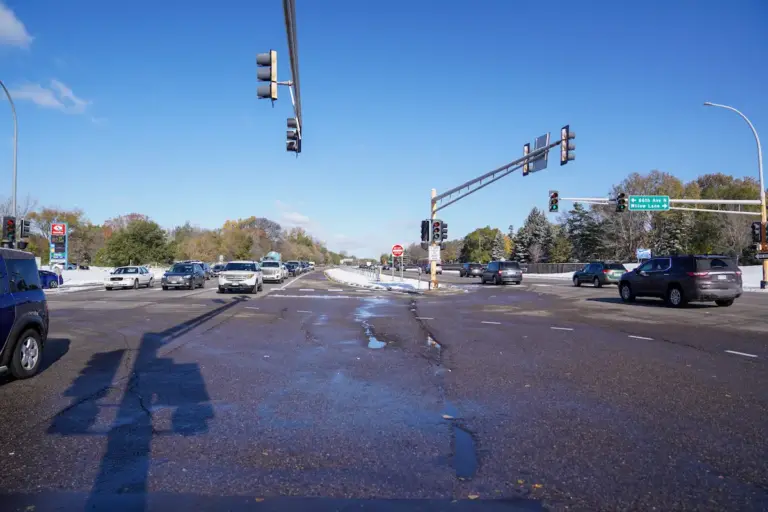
{"x": 464, "y": 449}
{"x": 363, "y": 313}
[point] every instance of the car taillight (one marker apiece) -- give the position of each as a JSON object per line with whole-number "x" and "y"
{"x": 738, "y": 272}
{"x": 605, "y": 271}
{"x": 499, "y": 272}
{"x": 697, "y": 274}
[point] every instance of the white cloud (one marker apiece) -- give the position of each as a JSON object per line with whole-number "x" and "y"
{"x": 294, "y": 218}
{"x": 289, "y": 216}
{"x": 98, "y": 120}
{"x": 57, "y": 96}
{"x": 12, "y": 30}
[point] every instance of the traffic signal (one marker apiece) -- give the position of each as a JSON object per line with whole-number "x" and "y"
{"x": 444, "y": 232}
{"x": 621, "y": 202}
{"x": 266, "y": 71}
{"x": 566, "y": 146}
{"x": 756, "y": 229}
{"x": 9, "y": 229}
{"x": 294, "y": 141}
{"x": 765, "y": 233}
{"x": 437, "y": 231}
{"x": 25, "y": 228}
{"x": 526, "y": 151}
{"x": 554, "y": 200}
{"x": 425, "y": 231}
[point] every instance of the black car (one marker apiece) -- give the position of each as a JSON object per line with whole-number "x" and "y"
{"x": 682, "y": 279}
{"x": 23, "y": 314}
{"x": 184, "y": 275}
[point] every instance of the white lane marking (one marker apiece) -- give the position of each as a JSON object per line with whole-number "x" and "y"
{"x": 740, "y": 353}
{"x": 490, "y": 323}
{"x": 284, "y": 296}
{"x": 424, "y": 318}
{"x": 541, "y": 284}
{"x": 250, "y": 307}
{"x": 306, "y": 289}
{"x": 289, "y": 283}
{"x": 640, "y": 337}
{"x": 335, "y": 290}
{"x": 561, "y": 328}
{"x": 302, "y": 311}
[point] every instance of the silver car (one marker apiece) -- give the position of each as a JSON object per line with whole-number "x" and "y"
{"x": 272, "y": 271}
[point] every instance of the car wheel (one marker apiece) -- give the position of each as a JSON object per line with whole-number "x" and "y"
{"x": 202, "y": 285}
{"x": 221, "y": 289}
{"x": 192, "y": 284}
{"x": 675, "y": 297}
{"x": 261, "y": 285}
{"x": 136, "y": 284}
{"x": 108, "y": 288}
{"x": 151, "y": 282}
{"x": 625, "y": 290}
{"x": 596, "y": 283}
{"x": 496, "y": 281}
{"x": 254, "y": 289}
{"x": 53, "y": 284}
{"x": 165, "y": 287}
{"x": 724, "y": 303}
{"x": 576, "y": 282}
{"x": 27, "y": 355}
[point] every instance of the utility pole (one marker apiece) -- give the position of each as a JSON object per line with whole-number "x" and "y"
{"x": 15, "y": 151}
{"x": 763, "y": 213}
{"x": 434, "y": 243}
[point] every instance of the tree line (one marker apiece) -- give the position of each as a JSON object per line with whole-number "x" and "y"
{"x": 137, "y": 239}
{"x": 597, "y": 232}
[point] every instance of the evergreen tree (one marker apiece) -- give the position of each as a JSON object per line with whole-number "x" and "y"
{"x": 497, "y": 250}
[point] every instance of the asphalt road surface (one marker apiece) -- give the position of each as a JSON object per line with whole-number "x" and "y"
{"x": 315, "y": 396}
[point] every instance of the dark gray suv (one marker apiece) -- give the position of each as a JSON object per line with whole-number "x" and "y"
{"x": 682, "y": 279}
{"x": 23, "y": 314}
{"x": 502, "y": 272}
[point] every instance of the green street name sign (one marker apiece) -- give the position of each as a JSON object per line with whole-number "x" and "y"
{"x": 648, "y": 203}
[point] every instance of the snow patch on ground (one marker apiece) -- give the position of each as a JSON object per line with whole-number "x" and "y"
{"x": 352, "y": 278}
{"x": 78, "y": 280}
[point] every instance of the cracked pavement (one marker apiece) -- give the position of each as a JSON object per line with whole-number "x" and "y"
{"x": 316, "y": 396}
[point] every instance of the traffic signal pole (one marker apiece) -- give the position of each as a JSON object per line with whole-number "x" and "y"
{"x": 433, "y": 264}
{"x": 15, "y": 152}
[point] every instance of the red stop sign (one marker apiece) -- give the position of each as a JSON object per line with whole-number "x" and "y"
{"x": 397, "y": 250}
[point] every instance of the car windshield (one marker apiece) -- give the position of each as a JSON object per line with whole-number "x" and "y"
{"x": 270, "y": 264}
{"x": 615, "y": 266}
{"x": 127, "y": 270}
{"x": 509, "y": 265}
{"x": 180, "y": 269}
{"x": 218, "y": 267}
{"x": 241, "y": 266}
{"x": 293, "y": 263}
{"x": 475, "y": 265}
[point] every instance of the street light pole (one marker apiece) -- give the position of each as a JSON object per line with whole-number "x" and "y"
{"x": 15, "y": 147}
{"x": 763, "y": 213}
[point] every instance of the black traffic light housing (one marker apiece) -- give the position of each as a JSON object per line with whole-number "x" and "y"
{"x": 566, "y": 146}
{"x": 425, "y": 231}
{"x": 266, "y": 71}
{"x": 756, "y": 232}
{"x": 554, "y": 201}
{"x": 293, "y": 142}
{"x": 25, "y": 225}
{"x": 9, "y": 229}
{"x": 526, "y": 152}
{"x": 437, "y": 231}
{"x": 621, "y": 202}
{"x": 444, "y": 232}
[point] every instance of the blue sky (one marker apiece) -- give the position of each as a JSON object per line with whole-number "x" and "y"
{"x": 150, "y": 106}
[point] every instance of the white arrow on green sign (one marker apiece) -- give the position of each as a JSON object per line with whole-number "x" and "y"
{"x": 648, "y": 203}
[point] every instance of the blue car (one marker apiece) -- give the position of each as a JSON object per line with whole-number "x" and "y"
{"x": 50, "y": 279}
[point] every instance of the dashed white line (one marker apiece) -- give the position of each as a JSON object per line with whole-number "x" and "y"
{"x": 561, "y": 328}
{"x": 289, "y": 283}
{"x": 490, "y": 323}
{"x": 250, "y": 307}
{"x": 306, "y": 289}
{"x": 424, "y": 318}
{"x": 640, "y": 337}
{"x": 302, "y": 311}
{"x": 740, "y": 353}
{"x": 335, "y": 290}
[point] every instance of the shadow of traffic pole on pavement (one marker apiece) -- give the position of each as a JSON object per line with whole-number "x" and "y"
{"x": 155, "y": 384}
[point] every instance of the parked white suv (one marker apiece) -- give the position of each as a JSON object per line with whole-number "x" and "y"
{"x": 241, "y": 275}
